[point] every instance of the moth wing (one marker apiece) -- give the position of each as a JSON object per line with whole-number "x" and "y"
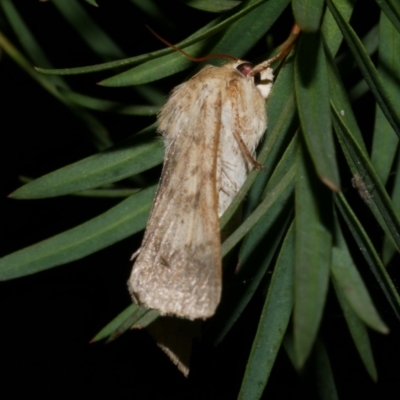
{"x": 178, "y": 270}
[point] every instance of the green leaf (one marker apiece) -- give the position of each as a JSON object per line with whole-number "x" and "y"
{"x": 317, "y": 373}
{"x": 308, "y": 14}
{"x": 51, "y": 84}
{"x": 97, "y": 104}
{"x": 278, "y": 194}
{"x": 27, "y": 40}
{"x": 156, "y": 69}
{"x": 361, "y": 167}
{"x": 196, "y": 37}
{"x": 358, "y": 90}
{"x": 139, "y": 314}
{"x": 125, "y": 219}
{"x": 273, "y": 323}
{"x": 367, "y": 69}
{"x": 313, "y": 254}
{"x": 232, "y": 41}
{"x": 330, "y": 30}
{"x": 371, "y": 256}
{"x": 392, "y": 11}
{"x": 94, "y": 36}
{"x": 267, "y": 224}
{"x": 345, "y": 61}
{"x": 358, "y": 332}
{"x": 385, "y": 141}
{"x": 340, "y": 101}
{"x": 113, "y": 325}
{"x": 215, "y": 6}
{"x": 323, "y": 381}
{"x": 350, "y": 283}
{"x": 132, "y": 156}
{"x": 92, "y": 2}
{"x": 388, "y": 250}
{"x": 313, "y": 104}
{"x": 152, "y": 9}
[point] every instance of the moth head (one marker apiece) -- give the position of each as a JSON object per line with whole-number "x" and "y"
{"x": 262, "y": 80}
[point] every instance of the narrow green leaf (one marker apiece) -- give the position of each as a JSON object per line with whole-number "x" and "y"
{"x": 106, "y": 193}
{"x": 273, "y": 323}
{"x": 323, "y": 380}
{"x": 156, "y": 69}
{"x": 95, "y": 37}
{"x": 232, "y": 41}
{"x": 350, "y": 283}
{"x": 308, "y": 14}
{"x": 267, "y": 224}
{"x": 388, "y": 250}
{"x": 152, "y": 9}
{"x": 215, "y": 6}
{"x": 133, "y": 316}
{"x": 345, "y": 61}
{"x": 125, "y": 219}
{"x": 391, "y": 8}
{"x": 317, "y": 373}
{"x": 257, "y": 233}
{"x": 368, "y": 250}
{"x": 313, "y": 104}
{"x": 367, "y": 69}
{"x": 132, "y": 156}
{"x": 340, "y": 101}
{"x": 146, "y": 319}
{"x": 329, "y": 28}
{"x": 278, "y": 194}
{"x": 213, "y": 28}
{"x": 255, "y": 23}
{"x": 27, "y": 40}
{"x": 97, "y": 104}
{"x": 113, "y": 325}
{"x": 358, "y": 332}
{"x": 385, "y": 141}
{"x": 127, "y": 324}
{"x": 358, "y": 90}
{"x": 109, "y": 191}
{"x": 313, "y": 254}
{"x": 92, "y": 2}
{"x": 379, "y": 202}
{"x": 98, "y": 132}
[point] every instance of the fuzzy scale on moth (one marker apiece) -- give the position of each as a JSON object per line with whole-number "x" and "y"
{"x": 211, "y": 125}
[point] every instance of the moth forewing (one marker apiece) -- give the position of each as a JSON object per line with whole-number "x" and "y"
{"x": 211, "y": 126}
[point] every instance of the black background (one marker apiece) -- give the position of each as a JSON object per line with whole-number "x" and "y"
{"x": 48, "y": 319}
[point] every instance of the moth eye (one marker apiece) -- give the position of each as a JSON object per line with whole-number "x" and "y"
{"x": 245, "y": 68}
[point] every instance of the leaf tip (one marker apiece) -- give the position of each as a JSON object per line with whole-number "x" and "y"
{"x": 331, "y": 185}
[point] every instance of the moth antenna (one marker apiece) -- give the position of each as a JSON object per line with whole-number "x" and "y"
{"x": 286, "y": 47}
{"x": 191, "y": 58}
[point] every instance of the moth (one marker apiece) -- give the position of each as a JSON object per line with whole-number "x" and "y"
{"x": 359, "y": 184}
{"x": 211, "y": 126}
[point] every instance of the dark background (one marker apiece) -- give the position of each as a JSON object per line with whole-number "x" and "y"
{"x": 48, "y": 319}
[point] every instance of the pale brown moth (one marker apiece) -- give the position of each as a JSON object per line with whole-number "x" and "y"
{"x": 358, "y": 183}
{"x": 211, "y": 127}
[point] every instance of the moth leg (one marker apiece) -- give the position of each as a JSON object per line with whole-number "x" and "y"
{"x": 246, "y": 151}
{"x": 135, "y": 254}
